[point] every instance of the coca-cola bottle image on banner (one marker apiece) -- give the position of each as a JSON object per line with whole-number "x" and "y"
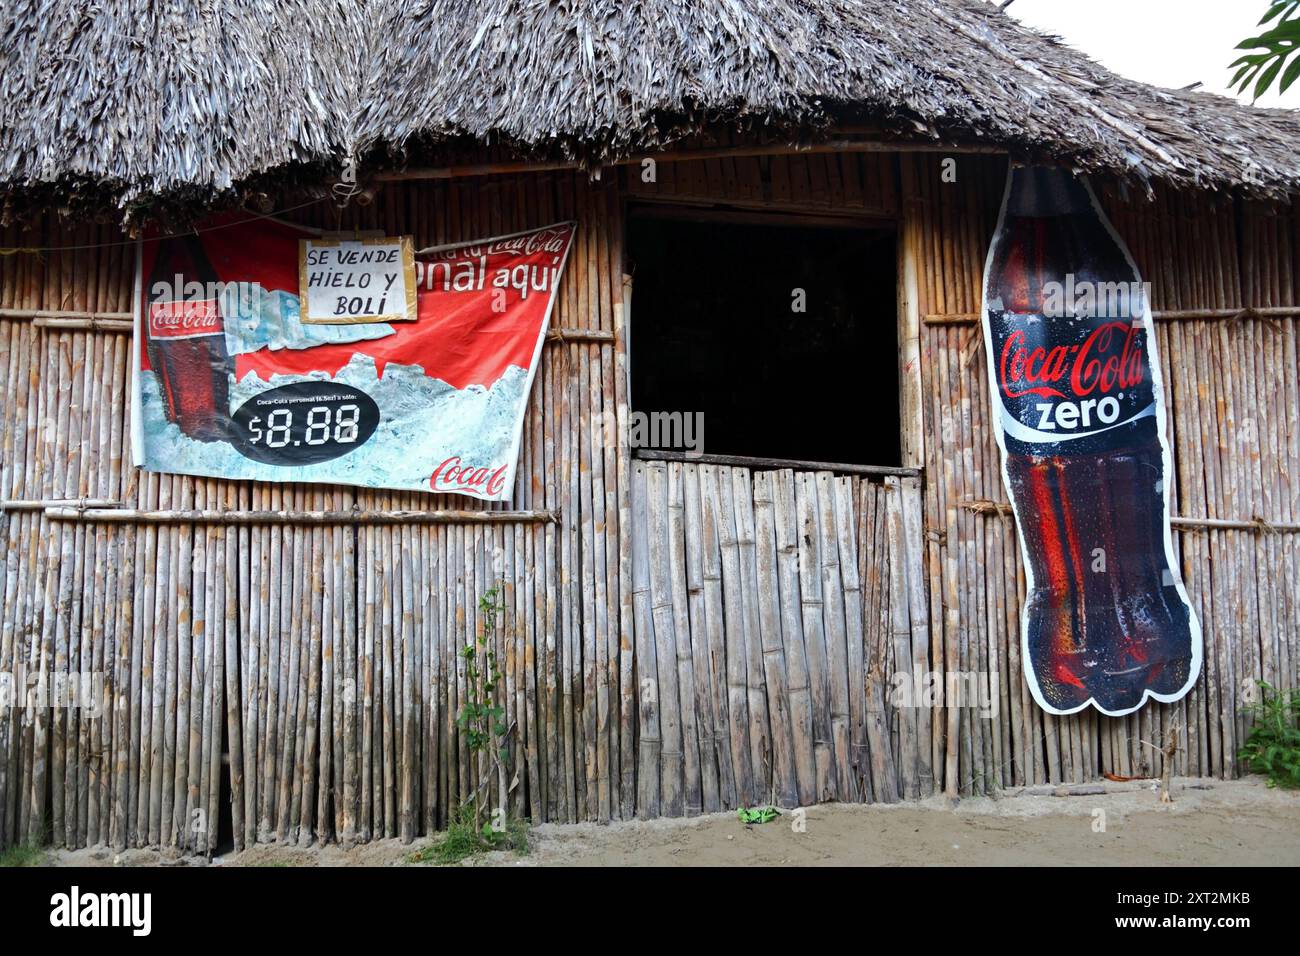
{"x": 187, "y": 339}
{"x": 1078, "y": 402}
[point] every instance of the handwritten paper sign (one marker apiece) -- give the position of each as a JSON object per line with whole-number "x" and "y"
{"x": 353, "y": 281}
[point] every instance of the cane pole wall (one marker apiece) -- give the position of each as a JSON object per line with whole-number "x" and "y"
{"x": 281, "y": 662}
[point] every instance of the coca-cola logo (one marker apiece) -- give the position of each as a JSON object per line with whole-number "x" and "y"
{"x": 182, "y": 319}
{"x": 551, "y": 240}
{"x": 1109, "y": 359}
{"x": 452, "y": 475}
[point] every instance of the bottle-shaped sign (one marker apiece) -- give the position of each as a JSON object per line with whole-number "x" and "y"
{"x": 1078, "y": 406}
{"x": 187, "y": 340}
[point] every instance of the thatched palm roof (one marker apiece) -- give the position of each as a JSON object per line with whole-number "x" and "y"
{"x": 139, "y": 98}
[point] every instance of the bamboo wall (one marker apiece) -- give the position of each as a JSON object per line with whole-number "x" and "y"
{"x": 668, "y": 646}
{"x": 770, "y": 609}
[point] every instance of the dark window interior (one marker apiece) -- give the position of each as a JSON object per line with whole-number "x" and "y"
{"x": 713, "y": 331}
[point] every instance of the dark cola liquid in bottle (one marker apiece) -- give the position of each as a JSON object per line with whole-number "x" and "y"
{"x": 187, "y": 339}
{"x": 1074, "y": 378}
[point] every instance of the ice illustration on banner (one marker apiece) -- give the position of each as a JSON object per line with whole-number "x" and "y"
{"x": 399, "y": 453}
{"x": 258, "y": 318}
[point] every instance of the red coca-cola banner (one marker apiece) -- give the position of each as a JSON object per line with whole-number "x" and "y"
{"x": 1080, "y": 421}
{"x": 230, "y": 383}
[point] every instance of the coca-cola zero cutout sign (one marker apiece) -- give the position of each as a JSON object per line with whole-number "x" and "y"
{"x": 1079, "y": 406}
{"x": 230, "y": 383}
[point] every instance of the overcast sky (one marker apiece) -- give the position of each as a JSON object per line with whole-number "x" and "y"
{"x": 1163, "y": 42}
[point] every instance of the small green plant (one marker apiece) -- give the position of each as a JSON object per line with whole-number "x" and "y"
{"x": 482, "y": 719}
{"x": 475, "y": 826}
{"x": 1273, "y": 747}
{"x": 22, "y": 855}
{"x": 464, "y": 838}
{"x": 757, "y": 815}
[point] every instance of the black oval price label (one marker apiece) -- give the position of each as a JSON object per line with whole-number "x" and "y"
{"x": 304, "y": 423}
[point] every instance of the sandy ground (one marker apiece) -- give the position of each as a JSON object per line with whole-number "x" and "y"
{"x": 1210, "y": 822}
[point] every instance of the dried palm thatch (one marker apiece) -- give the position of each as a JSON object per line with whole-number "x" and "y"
{"x": 134, "y": 99}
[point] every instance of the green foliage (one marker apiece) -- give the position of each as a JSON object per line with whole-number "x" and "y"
{"x": 22, "y": 855}
{"x": 757, "y": 815}
{"x": 1273, "y": 48}
{"x": 1273, "y": 747}
{"x": 482, "y": 720}
{"x": 464, "y": 839}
